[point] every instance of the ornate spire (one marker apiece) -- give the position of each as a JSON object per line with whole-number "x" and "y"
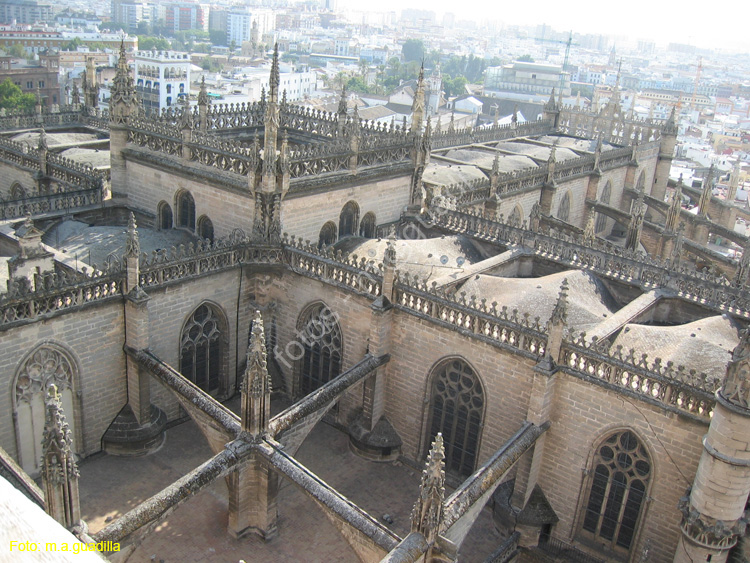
{"x": 203, "y": 93}
{"x": 451, "y": 124}
{"x": 132, "y": 244}
{"x": 59, "y": 469}
{"x": 705, "y": 199}
{"x": 123, "y": 103}
{"x": 670, "y": 127}
{"x": 551, "y": 103}
{"x": 741, "y": 277}
{"x": 343, "y": 109}
{"x": 427, "y": 515}
{"x": 560, "y": 312}
{"x": 274, "y": 80}
{"x": 589, "y": 232}
{"x": 633, "y": 239}
{"x": 675, "y": 207}
{"x": 514, "y": 118}
{"x": 676, "y": 254}
{"x": 417, "y": 106}
{"x": 256, "y": 383}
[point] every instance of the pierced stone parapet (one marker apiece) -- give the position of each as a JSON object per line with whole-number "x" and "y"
{"x": 602, "y": 258}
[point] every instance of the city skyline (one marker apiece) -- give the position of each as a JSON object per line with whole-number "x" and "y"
{"x": 658, "y": 22}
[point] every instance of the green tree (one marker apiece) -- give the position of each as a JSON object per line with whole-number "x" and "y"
{"x": 525, "y": 59}
{"x": 218, "y": 37}
{"x": 413, "y": 50}
{"x": 11, "y": 97}
{"x": 356, "y": 84}
{"x": 16, "y": 50}
{"x": 149, "y": 43}
{"x": 73, "y": 44}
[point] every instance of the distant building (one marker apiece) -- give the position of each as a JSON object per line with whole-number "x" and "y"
{"x": 161, "y": 77}
{"x": 181, "y": 16}
{"x": 26, "y": 11}
{"x": 240, "y": 24}
{"x": 39, "y": 39}
{"x": 39, "y": 78}
{"x": 527, "y": 78}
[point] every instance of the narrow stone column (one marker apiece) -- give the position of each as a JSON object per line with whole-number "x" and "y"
{"x": 371, "y": 434}
{"x": 139, "y": 427}
{"x": 526, "y": 491}
{"x": 253, "y": 488}
{"x": 713, "y": 509}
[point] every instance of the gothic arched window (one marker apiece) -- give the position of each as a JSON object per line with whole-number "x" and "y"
{"x": 563, "y": 211}
{"x": 165, "y": 216}
{"x": 185, "y": 210}
{"x": 516, "y": 216}
{"x": 327, "y": 235}
{"x": 202, "y": 347}
{"x": 48, "y": 364}
{"x": 641, "y": 184}
{"x": 367, "y": 226}
{"x": 205, "y": 228}
{"x": 17, "y": 191}
{"x": 349, "y": 220}
{"x": 456, "y": 407}
{"x": 616, "y": 491}
{"x": 320, "y": 337}
{"x": 601, "y": 219}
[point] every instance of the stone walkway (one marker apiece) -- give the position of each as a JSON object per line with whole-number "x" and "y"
{"x": 196, "y": 531}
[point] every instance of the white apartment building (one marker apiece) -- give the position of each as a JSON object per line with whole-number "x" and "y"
{"x": 240, "y": 24}
{"x": 161, "y": 77}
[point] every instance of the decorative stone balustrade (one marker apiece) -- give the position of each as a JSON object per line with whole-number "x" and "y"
{"x": 472, "y": 316}
{"x": 674, "y": 387}
{"x": 64, "y": 201}
{"x": 604, "y": 259}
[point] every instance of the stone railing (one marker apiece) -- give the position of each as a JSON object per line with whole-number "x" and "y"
{"x": 54, "y": 116}
{"x": 471, "y": 135}
{"x": 19, "y": 154}
{"x": 604, "y": 259}
{"x": 674, "y": 387}
{"x": 619, "y": 129}
{"x": 351, "y": 272}
{"x": 56, "y": 293}
{"x": 473, "y": 316}
{"x": 64, "y": 201}
{"x": 192, "y": 260}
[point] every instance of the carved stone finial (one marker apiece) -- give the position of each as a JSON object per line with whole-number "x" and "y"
{"x": 342, "y": 111}
{"x": 560, "y": 312}
{"x": 59, "y": 469}
{"x": 427, "y": 515}
{"x": 203, "y": 93}
{"x": 256, "y": 383}
{"x": 132, "y": 244}
{"x": 42, "y": 146}
{"x": 736, "y": 388}
{"x": 589, "y": 232}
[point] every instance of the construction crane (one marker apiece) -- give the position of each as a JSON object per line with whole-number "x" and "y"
{"x": 567, "y": 44}
{"x": 695, "y": 85}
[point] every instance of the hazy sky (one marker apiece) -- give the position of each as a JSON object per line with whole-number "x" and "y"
{"x": 658, "y": 20}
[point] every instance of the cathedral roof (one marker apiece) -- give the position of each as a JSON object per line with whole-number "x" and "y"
{"x": 589, "y": 302}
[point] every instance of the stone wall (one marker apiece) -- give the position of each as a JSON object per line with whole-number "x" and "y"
{"x": 304, "y": 216}
{"x": 582, "y": 416}
{"x": 148, "y": 184}
{"x": 93, "y": 337}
